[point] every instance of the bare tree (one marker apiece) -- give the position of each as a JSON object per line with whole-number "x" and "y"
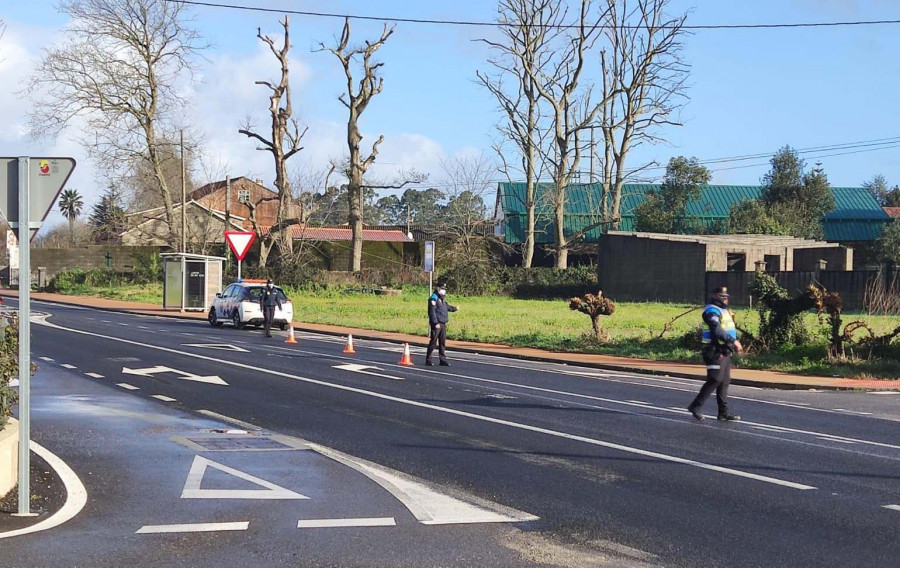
{"x": 357, "y": 99}
{"x": 522, "y": 52}
{"x": 118, "y": 69}
{"x": 643, "y": 87}
{"x": 285, "y": 133}
{"x": 467, "y": 181}
{"x": 572, "y": 107}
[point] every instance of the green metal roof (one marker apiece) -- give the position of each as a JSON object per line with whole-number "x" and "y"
{"x": 856, "y": 217}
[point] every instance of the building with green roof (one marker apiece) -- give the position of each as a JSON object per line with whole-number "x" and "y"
{"x": 857, "y": 217}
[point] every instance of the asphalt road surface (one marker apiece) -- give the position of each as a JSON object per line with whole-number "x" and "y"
{"x": 585, "y": 467}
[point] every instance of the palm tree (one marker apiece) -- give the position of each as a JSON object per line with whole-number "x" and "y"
{"x": 70, "y": 204}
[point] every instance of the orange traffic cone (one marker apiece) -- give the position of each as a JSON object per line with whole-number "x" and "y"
{"x": 349, "y": 348}
{"x": 291, "y": 338}
{"x": 407, "y": 359}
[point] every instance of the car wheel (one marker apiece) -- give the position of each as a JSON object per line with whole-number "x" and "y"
{"x": 213, "y": 318}
{"x": 236, "y": 320}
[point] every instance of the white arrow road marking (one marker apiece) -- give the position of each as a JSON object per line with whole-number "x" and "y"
{"x": 193, "y": 527}
{"x": 353, "y": 367}
{"x": 892, "y": 507}
{"x": 220, "y": 346}
{"x": 198, "y": 468}
{"x": 341, "y": 523}
{"x": 149, "y": 372}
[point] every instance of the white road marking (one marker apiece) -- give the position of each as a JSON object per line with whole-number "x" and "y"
{"x": 143, "y": 327}
{"x": 430, "y": 505}
{"x": 638, "y": 402}
{"x": 363, "y": 369}
{"x": 163, "y": 398}
{"x": 76, "y": 494}
{"x": 125, "y": 324}
{"x": 835, "y": 440}
{"x": 127, "y": 386}
{"x": 892, "y": 507}
{"x": 184, "y": 375}
{"x": 13, "y": 383}
{"x": 342, "y": 523}
{"x": 68, "y": 366}
{"x": 228, "y": 419}
{"x": 105, "y": 321}
{"x": 193, "y": 528}
{"x": 884, "y": 392}
{"x": 47, "y": 359}
{"x": 794, "y": 403}
{"x": 198, "y": 469}
{"x": 461, "y": 413}
{"x": 94, "y": 375}
{"x": 220, "y": 346}
{"x": 854, "y": 412}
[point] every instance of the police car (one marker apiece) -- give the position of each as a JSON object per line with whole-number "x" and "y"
{"x": 239, "y": 304}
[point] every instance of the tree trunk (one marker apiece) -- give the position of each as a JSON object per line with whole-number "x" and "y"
{"x": 528, "y": 257}
{"x": 595, "y": 323}
{"x": 72, "y": 230}
{"x": 355, "y": 194}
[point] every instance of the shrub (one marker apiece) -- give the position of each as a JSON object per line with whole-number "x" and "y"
{"x": 9, "y": 364}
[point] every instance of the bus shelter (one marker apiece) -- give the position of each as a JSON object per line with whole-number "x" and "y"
{"x": 191, "y": 281}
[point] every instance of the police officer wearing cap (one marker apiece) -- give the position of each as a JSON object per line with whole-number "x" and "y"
{"x": 719, "y": 344}
{"x": 268, "y": 300}
{"x": 438, "y": 317}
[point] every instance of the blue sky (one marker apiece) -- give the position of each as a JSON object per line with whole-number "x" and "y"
{"x": 751, "y": 91}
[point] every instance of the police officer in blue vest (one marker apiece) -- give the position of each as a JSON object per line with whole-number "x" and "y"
{"x": 719, "y": 344}
{"x": 438, "y": 317}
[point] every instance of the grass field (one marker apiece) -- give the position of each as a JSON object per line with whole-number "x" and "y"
{"x": 634, "y": 327}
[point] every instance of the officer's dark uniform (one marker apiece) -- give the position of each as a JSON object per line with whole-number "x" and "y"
{"x": 719, "y": 339}
{"x": 268, "y": 300}
{"x": 438, "y": 317}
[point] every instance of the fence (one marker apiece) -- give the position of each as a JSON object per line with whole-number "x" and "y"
{"x": 852, "y": 285}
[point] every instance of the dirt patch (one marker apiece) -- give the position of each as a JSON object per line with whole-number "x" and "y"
{"x": 550, "y": 551}
{"x": 48, "y": 494}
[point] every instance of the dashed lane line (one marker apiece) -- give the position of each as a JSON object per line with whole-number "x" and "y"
{"x": 68, "y": 366}
{"x": 342, "y": 523}
{"x": 94, "y": 375}
{"x": 193, "y": 528}
{"x": 127, "y": 386}
{"x": 47, "y": 359}
{"x": 164, "y": 398}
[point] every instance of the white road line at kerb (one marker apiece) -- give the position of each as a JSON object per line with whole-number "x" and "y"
{"x": 127, "y": 386}
{"x": 453, "y": 411}
{"x": 68, "y": 366}
{"x": 892, "y": 507}
{"x": 341, "y": 523}
{"x": 94, "y": 375}
{"x": 76, "y": 494}
{"x": 163, "y": 398}
{"x": 193, "y": 528}
{"x": 228, "y": 419}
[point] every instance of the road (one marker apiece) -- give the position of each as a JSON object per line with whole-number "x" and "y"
{"x": 607, "y": 465}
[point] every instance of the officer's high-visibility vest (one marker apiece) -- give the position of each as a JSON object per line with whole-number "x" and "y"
{"x": 725, "y": 321}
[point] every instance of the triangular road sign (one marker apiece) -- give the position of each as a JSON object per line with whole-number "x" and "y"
{"x": 46, "y": 179}
{"x": 198, "y": 469}
{"x": 240, "y": 242}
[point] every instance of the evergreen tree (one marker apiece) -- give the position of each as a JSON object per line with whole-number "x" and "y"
{"x": 107, "y": 218}
{"x": 665, "y": 210}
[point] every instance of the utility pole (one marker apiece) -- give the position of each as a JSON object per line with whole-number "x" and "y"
{"x": 183, "y": 197}
{"x": 227, "y": 203}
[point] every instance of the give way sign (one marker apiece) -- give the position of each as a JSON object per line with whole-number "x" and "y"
{"x": 240, "y": 242}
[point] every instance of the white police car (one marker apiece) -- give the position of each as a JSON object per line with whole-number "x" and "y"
{"x": 239, "y": 304}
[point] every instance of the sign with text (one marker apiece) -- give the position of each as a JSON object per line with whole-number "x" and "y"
{"x": 429, "y": 256}
{"x": 12, "y": 250}
{"x": 46, "y": 179}
{"x": 239, "y": 242}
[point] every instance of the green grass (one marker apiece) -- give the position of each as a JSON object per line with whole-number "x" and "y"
{"x": 541, "y": 324}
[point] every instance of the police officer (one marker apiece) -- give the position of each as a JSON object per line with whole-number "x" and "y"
{"x": 438, "y": 317}
{"x": 268, "y": 300}
{"x": 719, "y": 344}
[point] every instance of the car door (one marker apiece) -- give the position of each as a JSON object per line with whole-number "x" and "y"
{"x": 221, "y": 304}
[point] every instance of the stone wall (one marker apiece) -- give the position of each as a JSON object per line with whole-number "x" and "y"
{"x": 9, "y": 456}
{"x": 47, "y": 262}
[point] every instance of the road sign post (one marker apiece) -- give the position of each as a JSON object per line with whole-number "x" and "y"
{"x": 239, "y": 242}
{"x": 28, "y": 190}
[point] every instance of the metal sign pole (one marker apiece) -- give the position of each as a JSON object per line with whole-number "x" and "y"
{"x": 239, "y": 270}
{"x": 24, "y": 339}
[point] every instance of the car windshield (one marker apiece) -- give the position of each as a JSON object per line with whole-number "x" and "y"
{"x": 253, "y": 294}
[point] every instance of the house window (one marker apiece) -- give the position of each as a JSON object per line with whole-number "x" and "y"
{"x": 243, "y": 196}
{"x": 773, "y": 262}
{"x": 737, "y": 262}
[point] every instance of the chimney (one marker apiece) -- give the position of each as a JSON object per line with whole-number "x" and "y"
{"x": 258, "y": 181}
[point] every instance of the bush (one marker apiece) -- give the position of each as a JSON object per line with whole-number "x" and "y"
{"x": 9, "y": 364}
{"x": 555, "y": 284}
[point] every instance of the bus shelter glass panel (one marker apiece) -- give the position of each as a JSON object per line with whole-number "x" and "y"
{"x": 196, "y": 284}
{"x": 173, "y": 283}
